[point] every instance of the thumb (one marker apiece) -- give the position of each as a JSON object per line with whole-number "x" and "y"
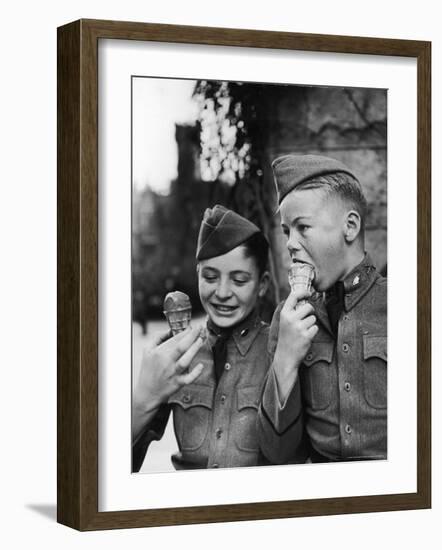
{"x": 161, "y": 338}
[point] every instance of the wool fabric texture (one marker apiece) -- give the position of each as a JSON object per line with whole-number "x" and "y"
{"x": 222, "y": 230}
{"x": 290, "y": 171}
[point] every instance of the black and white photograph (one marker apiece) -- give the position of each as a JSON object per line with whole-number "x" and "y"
{"x": 202, "y": 204}
{"x": 259, "y": 274}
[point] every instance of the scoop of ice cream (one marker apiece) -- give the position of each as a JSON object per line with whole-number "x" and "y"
{"x": 178, "y": 311}
{"x": 176, "y": 301}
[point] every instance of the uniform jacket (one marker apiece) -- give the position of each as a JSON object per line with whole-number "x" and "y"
{"x": 342, "y": 381}
{"x": 216, "y": 425}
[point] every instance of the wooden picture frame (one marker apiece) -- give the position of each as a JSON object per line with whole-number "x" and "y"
{"x": 77, "y": 223}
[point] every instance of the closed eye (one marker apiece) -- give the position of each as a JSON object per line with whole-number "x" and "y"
{"x": 240, "y": 281}
{"x": 210, "y": 275}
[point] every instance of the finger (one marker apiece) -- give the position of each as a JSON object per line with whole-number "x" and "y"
{"x": 189, "y": 354}
{"x": 309, "y": 321}
{"x": 189, "y": 377}
{"x": 303, "y": 310}
{"x": 294, "y": 297}
{"x": 183, "y": 333}
{"x": 186, "y": 341}
{"x": 161, "y": 338}
{"x": 311, "y": 332}
{"x": 168, "y": 339}
{"x": 174, "y": 340}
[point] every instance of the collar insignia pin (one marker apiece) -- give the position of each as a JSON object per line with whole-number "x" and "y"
{"x": 356, "y": 280}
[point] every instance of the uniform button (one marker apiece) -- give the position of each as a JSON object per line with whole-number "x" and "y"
{"x": 345, "y": 347}
{"x": 227, "y": 366}
{"x": 218, "y": 433}
{"x": 348, "y": 428}
{"x": 347, "y": 386}
{"x": 309, "y": 356}
{"x": 346, "y": 317}
{"x": 223, "y": 398}
{"x": 186, "y": 398}
{"x": 215, "y": 465}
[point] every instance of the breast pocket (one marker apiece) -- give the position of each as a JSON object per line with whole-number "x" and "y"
{"x": 244, "y": 425}
{"x": 317, "y": 375}
{"x": 192, "y": 415}
{"x": 375, "y": 371}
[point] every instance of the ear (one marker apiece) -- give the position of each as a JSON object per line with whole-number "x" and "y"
{"x": 264, "y": 283}
{"x": 352, "y": 226}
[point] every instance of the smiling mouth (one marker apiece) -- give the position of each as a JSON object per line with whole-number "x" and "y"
{"x": 223, "y": 309}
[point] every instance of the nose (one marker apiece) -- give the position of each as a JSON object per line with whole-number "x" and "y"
{"x": 223, "y": 290}
{"x": 293, "y": 242}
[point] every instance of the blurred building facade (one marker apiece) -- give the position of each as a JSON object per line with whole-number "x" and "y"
{"x": 165, "y": 231}
{"x": 347, "y": 124}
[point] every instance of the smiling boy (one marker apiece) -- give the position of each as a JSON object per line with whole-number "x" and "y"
{"x": 329, "y": 368}
{"x": 215, "y": 412}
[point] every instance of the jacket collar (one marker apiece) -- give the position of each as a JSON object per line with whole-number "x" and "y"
{"x": 243, "y": 334}
{"x": 356, "y": 284}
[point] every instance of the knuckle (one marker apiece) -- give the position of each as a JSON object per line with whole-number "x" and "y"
{"x": 181, "y": 348}
{"x": 180, "y": 365}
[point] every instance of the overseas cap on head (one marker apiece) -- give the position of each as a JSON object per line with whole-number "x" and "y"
{"x": 292, "y": 170}
{"x": 222, "y": 230}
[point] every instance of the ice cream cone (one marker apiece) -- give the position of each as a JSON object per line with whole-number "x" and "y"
{"x": 178, "y": 311}
{"x": 301, "y": 277}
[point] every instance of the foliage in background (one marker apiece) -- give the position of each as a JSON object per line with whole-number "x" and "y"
{"x": 226, "y": 158}
{"x": 233, "y": 122}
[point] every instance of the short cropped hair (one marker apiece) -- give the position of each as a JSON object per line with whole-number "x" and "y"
{"x": 257, "y": 247}
{"x": 343, "y": 185}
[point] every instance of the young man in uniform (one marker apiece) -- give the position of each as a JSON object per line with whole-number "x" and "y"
{"x": 215, "y": 404}
{"x": 328, "y": 377}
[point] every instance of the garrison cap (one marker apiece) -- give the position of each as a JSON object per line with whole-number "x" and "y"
{"x": 292, "y": 170}
{"x": 222, "y": 230}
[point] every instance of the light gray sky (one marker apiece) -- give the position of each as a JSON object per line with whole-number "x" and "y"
{"x": 158, "y": 104}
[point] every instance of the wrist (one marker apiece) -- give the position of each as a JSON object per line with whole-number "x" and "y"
{"x": 147, "y": 403}
{"x": 285, "y": 361}
{"x": 286, "y": 367}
